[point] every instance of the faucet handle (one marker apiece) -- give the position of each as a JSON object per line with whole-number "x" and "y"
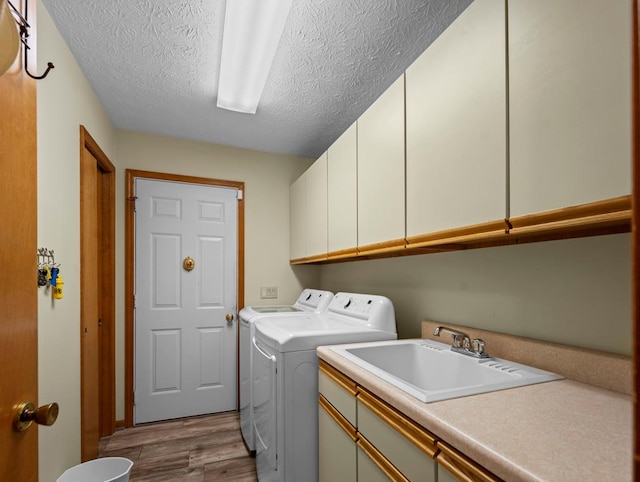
{"x": 478, "y": 345}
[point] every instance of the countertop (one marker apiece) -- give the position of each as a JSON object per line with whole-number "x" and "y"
{"x": 562, "y": 430}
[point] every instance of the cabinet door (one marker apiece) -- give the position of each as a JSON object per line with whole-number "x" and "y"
{"x": 445, "y": 476}
{"x": 569, "y": 102}
{"x": 316, "y": 222}
{"x": 369, "y": 470}
{"x": 381, "y": 168}
{"x": 337, "y": 456}
{"x": 342, "y": 194}
{"x": 456, "y": 124}
{"x": 405, "y": 445}
{"x": 452, "y": 465}
{"x": 297, "y": 213}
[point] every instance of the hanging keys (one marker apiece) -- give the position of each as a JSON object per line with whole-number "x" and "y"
{"x": 42, "y": 277}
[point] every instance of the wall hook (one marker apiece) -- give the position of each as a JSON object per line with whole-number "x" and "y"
{"x": 24, "y": 26}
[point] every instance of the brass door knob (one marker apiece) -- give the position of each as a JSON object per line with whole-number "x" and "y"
{"x": 188, "y": 264}
{"x": 27, "y": 413}
{"x": 229, "y": 318}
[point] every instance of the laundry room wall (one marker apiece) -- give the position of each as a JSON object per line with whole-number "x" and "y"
{"x": 65, "y": 101}
{"x": 576, "y": 292}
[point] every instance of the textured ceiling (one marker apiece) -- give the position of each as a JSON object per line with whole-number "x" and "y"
{"x": 154, "y": 65}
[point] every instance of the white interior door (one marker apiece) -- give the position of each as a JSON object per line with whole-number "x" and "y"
{"x": 185, "y": 349}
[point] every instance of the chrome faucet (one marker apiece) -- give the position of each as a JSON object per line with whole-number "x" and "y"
{"x": 463, "y": 344}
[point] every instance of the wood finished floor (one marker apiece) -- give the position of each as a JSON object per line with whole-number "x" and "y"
{"x": 198, "y": 449}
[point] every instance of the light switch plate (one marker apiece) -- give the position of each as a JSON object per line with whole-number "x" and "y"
{"x": 268, "y": 292}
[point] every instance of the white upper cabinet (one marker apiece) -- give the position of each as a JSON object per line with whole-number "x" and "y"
{"x": 316, "y": 209}
{"x": 456, "y": 124}
{"x": 569, "y": 102}
{"x": 381, "y": 193}
{"x": 342, "y": 195}
{"x": 297, "y": 213}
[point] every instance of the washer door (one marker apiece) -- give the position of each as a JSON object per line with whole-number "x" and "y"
{"x": 264, "y": 408}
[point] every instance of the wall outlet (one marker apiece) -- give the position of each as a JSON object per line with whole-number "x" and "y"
{"x": 268, "y": 292}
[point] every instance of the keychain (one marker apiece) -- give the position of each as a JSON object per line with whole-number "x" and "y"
{"x": 54, "y": 275}
{"x": 57, "y": 289}
{"x": 42, "y": 277}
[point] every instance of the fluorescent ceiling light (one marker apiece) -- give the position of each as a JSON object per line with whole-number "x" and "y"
{"x": 252, "y": 31}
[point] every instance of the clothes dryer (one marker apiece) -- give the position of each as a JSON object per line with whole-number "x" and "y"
{"x": 310, "y": 300}
{"x": 285, "y": 379}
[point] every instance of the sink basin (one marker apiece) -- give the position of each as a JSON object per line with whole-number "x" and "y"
{"x": 430, "y": 371}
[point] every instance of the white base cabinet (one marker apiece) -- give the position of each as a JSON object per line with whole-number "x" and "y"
{"x": 381, "y": 444}
{"x": 337, "y": 455}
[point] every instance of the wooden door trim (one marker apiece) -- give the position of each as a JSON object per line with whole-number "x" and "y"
{"x": 107, "y": 267}
{"x": 129, "y": 271}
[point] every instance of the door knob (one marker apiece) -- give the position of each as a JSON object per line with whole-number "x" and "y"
{"x": 27, "y": 413}
{"x": 229, "y": 318}
{"x": 188, "y": 264}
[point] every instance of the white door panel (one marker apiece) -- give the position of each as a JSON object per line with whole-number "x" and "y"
{"x": 185, "y": 350}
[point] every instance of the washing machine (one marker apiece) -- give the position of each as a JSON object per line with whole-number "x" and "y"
{"x": 285, "y": 379}
{"x": 310, "y": 300}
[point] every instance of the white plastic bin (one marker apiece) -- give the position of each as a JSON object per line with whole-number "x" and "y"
{"x": 107, "y": 469}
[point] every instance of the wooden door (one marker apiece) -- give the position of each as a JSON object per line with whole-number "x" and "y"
{"x": 89, "y": 306}
{"x": 18, "y": 296}
{"x": 98, "y": 287}
{"x": 97, "y": 294}
{"x": 185, "y": 355}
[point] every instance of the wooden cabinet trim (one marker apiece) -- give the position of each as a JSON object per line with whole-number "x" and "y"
{"x": 315, "y": 258}
{"x": 343, "y": 253}
{"x": 385, "y": 246}
{"x": 599, "y": 221}
{"x": 380, "y": 460}
{"x": 338, "y": 418}
{"x": 422, "y": 439}
{"x": 298, "y": 261}
{"x": 462, "y": 467}
{"x": 469, "y": 233}
{"x": 582, "y": 213}
{"x": 341, "y": 379}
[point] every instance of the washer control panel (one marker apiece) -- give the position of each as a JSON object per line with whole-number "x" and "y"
{"x": 373, "y": 311}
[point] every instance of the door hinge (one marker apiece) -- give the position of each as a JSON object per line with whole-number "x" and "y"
{"x": 135, "y": 299}
{"x": 239, "y": 194}
{"x": 134, "y": 199}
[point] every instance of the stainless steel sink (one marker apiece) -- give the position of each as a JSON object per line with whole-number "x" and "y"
{"x": 430, "y": 371}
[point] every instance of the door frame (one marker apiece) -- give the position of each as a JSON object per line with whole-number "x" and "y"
{"x": 130, "y": 262}
{"x": 106, "y": 265}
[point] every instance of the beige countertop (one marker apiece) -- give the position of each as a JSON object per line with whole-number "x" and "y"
{"x": 555, "y": 431}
